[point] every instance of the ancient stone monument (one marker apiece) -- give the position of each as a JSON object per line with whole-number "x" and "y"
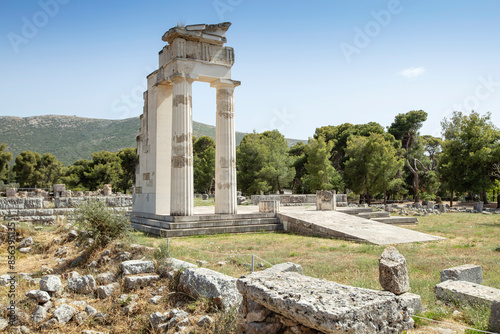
{"x": 164, "y": 175}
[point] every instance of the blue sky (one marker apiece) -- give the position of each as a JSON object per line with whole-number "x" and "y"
{"x": 303, "y": 64}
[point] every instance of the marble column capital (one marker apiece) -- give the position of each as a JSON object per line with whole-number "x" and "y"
{"x": 179, "y": 77}
{"x": 224, "y": 83}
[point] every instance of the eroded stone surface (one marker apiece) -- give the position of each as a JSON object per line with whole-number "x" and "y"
{"x": 82, "y": 284}
{"x": 171, "y": 266}
{"x": 494, "y": 323}
{"x": 105, "y": 291}
{"x": 467, "y": 272}
{"x": 50, "y": 283}
{"x": 134, "y": 282}
{"x": 466, "y": 292}
{"x": 285, "y": 267}
{"x": 393, "y": 273}
{"x": 39, "y": 295}
{"x": 134, "y": 267}
{"x": 327, "y": 306}
{"x": 211, "y": 284}
{"x": 64, "y": 313}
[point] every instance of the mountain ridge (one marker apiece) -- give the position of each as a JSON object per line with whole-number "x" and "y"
{"x": 71, "y": 138}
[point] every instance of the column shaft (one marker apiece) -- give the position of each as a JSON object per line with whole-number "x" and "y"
{"x": 225, "y": 152}
{"x": 182, "y": 186}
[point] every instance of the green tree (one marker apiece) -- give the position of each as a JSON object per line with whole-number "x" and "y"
{"x": 76, "y": 176}
{"x": 204, "y": 164}
{"x": 405, "y": 128}
{"x": 299, "y": 158}
{"x": 128, "y": 162}
{"x": 27, "y": 168}
{"x": 469, "y": 155}
{"x": 263, "y": 163}
{"x": 5, "y": 158}
{"x": 321, "y": 174}
{"x": 105, "y": 169}
{"x": 340, "y": 135}
{"x": 432, "y": 146}
{"x": 372, "y": 166}
{"x": 51, "y": 170}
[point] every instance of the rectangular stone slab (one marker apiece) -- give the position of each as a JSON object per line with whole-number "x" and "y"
{"x": 327, "y": 306}
{"x": 467, "y": 292}
{"x": 336, "y": 224}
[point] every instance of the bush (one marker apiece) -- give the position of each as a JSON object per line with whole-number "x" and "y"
{"x": 101, "y": 222}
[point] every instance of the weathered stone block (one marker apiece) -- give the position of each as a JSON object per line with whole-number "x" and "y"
{"x": 494, "y": 323}
{"x": 10, "y": 192}
{"x": 412, "y": 301}
{"x": 326, "y": 200}
{"x": 82, "y": 284}
{"x": 26, "y": 242}
{"x": 39, "y": 295}
{"x": 285, "y": 267}
{"x": 171, "y": 266}
{"x": 105, "y": 278}
{"x": 105, "y": 291}
{"x": 134, "y": 282}
{"x": 39, "y": 314}
{"x": 211, "y": 284}
{"x": 467, "y": 272}
{"x": 50, "y": 283}
{"x": 134, "y": 267}
{"x": 269, "y": 206}
{"x": 64, "y": 313}
{"x": 393, "y": 273}
{"x": 326, "y": 306}
{"x": 466, "y": 292}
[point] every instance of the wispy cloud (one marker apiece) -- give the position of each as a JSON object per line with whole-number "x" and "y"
{"x": 412, "y": 72}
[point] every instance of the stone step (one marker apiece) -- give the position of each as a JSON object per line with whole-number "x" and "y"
{"x": 203, "y": 223}
{"x": 375, "y": 214}
{"x": 224, "y": 223}
{"x": 354, "y": 211}
{"x": 207, "y": 230}
{"x": 397, "y": 220}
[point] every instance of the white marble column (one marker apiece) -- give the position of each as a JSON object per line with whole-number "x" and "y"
{"x": 182, "y": 187}
{"x": 225, "y": 148}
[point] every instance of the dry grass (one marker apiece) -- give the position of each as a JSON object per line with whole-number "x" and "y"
{"x": 117, "y": 321}
{"x": 471, "y": 238}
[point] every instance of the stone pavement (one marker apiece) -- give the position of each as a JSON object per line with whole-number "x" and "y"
{"x": 307, "y": 220}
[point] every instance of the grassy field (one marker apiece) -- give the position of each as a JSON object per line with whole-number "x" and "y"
{"x": 471, "y": 238}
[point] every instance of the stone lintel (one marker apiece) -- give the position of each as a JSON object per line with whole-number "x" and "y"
{"x": 155, "y": 72}
{"x": 206, "y": 33}
{"x": 181, "y": 76}
{"x": 225, "y": 82}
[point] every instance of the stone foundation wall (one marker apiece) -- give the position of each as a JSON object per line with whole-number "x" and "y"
{"x": 16, "y": 203}
{"x": 38, "y": 211}
{"x": 297, "y": 199}
{"x": 112, "y": 201}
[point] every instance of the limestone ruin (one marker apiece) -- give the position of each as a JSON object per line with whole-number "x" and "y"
{"x": 164, "y": 175}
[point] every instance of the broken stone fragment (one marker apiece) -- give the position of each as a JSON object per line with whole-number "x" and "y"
{"x": 467, "y": 272}
{"x": 134, "y": 267}
{"x": 26, "y": 242}
{"x": 39, "y": 295}
{"x": 63, "y": 313}
{"x": 393, "y": 273}
{"x": 105, "y": 291}
{"x": 50, "y": 283}
{"x": 82, "y": 284}
{"x": 220, "y": 288}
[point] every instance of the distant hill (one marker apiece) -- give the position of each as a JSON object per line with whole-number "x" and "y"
{"x": 71, "y": 138}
